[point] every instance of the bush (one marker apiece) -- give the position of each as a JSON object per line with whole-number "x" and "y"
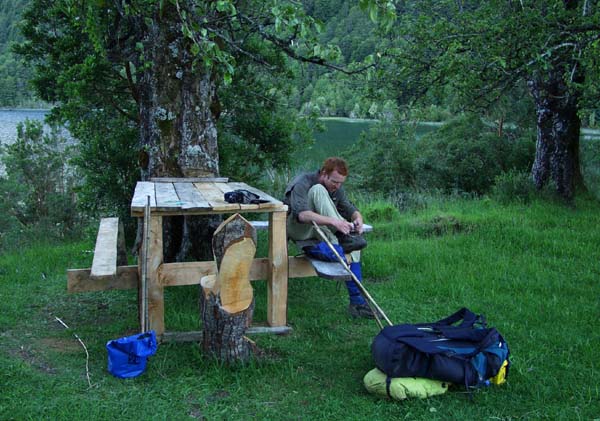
{"x": 513, "y": 186}
{"x": 379, "y": 211}
{"x": 38, "y": 187}
{"x": 465, "y": 155}
{"x": 383, "y": 159}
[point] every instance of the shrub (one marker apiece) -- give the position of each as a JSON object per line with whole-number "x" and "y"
{"x": 513, "y": 186}
{"x": 383, "y": 158}
{"x": 38, "y": 187}
{"x": 379, "y": 210}
{"x": 465, "y": 155}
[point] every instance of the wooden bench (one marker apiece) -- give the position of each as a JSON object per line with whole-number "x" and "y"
{"x": 326, "y": 270}
{"x": 109, "y": 252}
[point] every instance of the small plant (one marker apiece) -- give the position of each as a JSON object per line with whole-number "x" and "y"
{"x": 379, "y": 211}
{"x": 513, "y": 186}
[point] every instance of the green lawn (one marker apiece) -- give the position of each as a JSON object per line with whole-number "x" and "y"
{"x": 534, "y": 270}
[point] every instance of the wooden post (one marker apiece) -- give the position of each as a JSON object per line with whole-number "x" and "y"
{"x": 156, "y": 300}
{"x": 226, "y": 299}
{"x": 277, "y": 282}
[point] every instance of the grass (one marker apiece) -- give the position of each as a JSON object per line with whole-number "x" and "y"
{"x": 532, "y": 269}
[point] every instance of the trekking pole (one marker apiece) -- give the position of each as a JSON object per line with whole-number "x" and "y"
{"x": 370, "y": 301}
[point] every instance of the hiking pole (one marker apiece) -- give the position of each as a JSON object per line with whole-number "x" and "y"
{"x": 370, "y": 301}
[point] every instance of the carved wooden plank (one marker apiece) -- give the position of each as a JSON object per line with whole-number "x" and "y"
{"x": 234, "y": 246}
{"x": 166, "y": 197}
{"x": 105, "y": 253}
{"x": 143, "y": 189}
{"x": 227, "y": 301}
{"x": 233, "y": 276}
{"x": 190, "y": 197}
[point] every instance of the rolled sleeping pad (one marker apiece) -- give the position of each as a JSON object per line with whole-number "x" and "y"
{"x": 400, "y": 388}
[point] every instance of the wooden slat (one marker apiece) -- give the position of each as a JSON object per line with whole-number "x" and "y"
{"x": 189, "y": 179}
{"x": 229, "y": 187}
{"x": 277, "y": 281}
{"x": 272, "y": 202}
{"x": 166, "y": 197}
{"x": 156, "y": 300}
{"x": 190, "y": 197}
{"x": 142, "y": 190}
{"x": 264, "y": 225}
{"x": 214, "y": 195}
{"x": 196, "y": 335}
{"x": 105, "y": 253}
{"x": 177, "y": 274}
{"x": 79, "y": 280}
{"x": 330, "y": 270}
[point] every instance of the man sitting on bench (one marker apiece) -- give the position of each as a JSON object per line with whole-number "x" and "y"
{"x": 319, "y": 197}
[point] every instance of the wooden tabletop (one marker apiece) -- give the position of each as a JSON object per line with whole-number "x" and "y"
{"x": 186, "y": 197}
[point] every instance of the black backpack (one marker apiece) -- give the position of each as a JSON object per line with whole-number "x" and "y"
{"x": 466, "y": 353}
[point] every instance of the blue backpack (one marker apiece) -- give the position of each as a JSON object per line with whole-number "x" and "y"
{"x": 459, "y": 349}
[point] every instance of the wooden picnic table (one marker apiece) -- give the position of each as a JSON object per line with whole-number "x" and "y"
{"x": 185, "y": 197}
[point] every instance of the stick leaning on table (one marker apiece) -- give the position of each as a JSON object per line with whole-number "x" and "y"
{"x": 370, "y": 301}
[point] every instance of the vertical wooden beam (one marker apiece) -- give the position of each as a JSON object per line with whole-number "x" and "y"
{"x": 277, "y": 281}
{"x": 156, "y": 298}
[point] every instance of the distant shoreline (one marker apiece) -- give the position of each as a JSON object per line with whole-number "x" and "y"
{"x": 26, "y": 109}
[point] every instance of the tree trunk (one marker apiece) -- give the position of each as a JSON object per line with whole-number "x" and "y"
{"x": 177, "y": 128}
{"x": 558, "y": 131}
{"x": 226, "y": 300}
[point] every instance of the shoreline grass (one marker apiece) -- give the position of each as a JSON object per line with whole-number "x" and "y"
{"x": 533, "y": 270}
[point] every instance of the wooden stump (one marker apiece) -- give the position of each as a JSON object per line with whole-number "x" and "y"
{"x": 226, "y": 299}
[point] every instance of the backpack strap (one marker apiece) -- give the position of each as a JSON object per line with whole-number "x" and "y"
{"x": 388, "y": 385}
{"x": 467, "y": 316}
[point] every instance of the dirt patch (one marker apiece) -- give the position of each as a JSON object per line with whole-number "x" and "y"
{"x": 62, "y": 345}
{"x": 443, "y": 225}
{"x": 31, "y": 358}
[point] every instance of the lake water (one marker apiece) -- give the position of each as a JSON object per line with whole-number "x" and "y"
{"x": 339, "y": 135}
{"x": 10, "y": 118}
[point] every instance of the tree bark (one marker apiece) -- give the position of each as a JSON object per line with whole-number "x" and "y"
{"x": 226, "y": 300}
{"x": 178, "y": 131}
{"x": 558, "y": 131}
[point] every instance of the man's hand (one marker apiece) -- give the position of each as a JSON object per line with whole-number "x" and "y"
{"x": 344, "y": 227}
{"x": 358, "y": 226}
{"x": 357, "y": 221}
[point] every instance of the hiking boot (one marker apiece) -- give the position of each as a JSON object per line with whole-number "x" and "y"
{"x": 351, "y": 242}
{"x": 360, "y": 310}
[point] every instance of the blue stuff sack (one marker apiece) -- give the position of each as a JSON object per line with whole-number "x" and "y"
{"x": 127, "y": 356}
{"x": 321, "y": 251}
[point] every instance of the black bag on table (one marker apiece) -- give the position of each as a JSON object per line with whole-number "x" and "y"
{"x": 466, "y": 353}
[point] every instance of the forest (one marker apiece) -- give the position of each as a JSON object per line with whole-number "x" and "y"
{"x": 187, "y": 88}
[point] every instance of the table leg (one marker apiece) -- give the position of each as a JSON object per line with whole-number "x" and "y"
{"x": 277, "y": 281}
{"x": 156, "y": 301}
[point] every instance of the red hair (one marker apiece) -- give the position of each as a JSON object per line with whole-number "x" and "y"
{"x": 335, "y": 164}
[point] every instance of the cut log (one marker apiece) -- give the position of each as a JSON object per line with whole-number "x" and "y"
{"x": 226, "y": 299}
